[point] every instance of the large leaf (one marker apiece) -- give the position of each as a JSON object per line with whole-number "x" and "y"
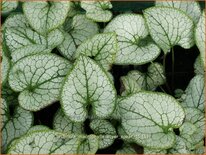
{"x": 63, "y": 124}
{"x": 101, "y": 47}
{"x": 46, "y": 16}
{"x": 135, "y": 47}
{"x": 38, "y": 78}
{"x": 191, "y": 8}
{"x": 77, "y": 30}
{"x": 200, "y": 36}
{"x": 97, "y": 10}
{"x": 45, "y": 142}
{"x": 154, "y": 151}
{"x": 89, "y": 145}
{"x": 150, "y": 118}
{"x": 8, "y": 6}
{"x": 169, "y": 27}
{"x": 194, "y": 96}
{"x": 87, "y": 85}
{"x": 105, "y": 131}
{"x": 14, "y": 126}
{"x": 136, "y": 81}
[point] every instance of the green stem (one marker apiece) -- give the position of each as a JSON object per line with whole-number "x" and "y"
{"x": 173, "y": 68}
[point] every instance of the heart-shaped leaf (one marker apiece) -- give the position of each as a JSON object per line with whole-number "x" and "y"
{"x": 191, "y": 8}
{"x": 14, "y": 126}
{"x": 135, "y": 47}
{"x": 45, "y": 142}
{"x": 101, "y": 47}
{"x": 89, "y": 145}
{"x": 194, "y": 93}
{"x": 150, "y": 118}
{"x": 77, "y": 30}
{"x": 200, "y": 36}
{"x": 87, "y": 85}
{"x": 136, "y": 81}
{"x": 16, "y": 20}
{"x": 63, "y": 124}
{"x": 8, "y": 6}
{"x": 97, "y": 10}
{"x": 105, "y": 131}
{"x": 46, "y": 16}
{"x": 38, "y": 78}
{"x": 169, "y": 27}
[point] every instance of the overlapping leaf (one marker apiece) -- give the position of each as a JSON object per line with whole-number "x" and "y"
{"x": 199, "y": 66}
{"x": 169, "y": 27}
{"x": 87, "y": 86}
{"x": 63, "y": 124}
{"x": 46, "y": 142}
{"x": 24, "y": 41}
{"x": 5, "y": 66}
{"x": 8, "y": 6}
{"x": 97, "y": 10}
{"x": 200, "y": 36}
{"x": 136, "y": 81}
{"x": 105, "y": 131}
{"x": 46, "y": 16}
{"x": 14, "y": 126}
{"x": 191, "y": 8}
{"x": 38, "y": 78}
{"x": 135, "y": 47}
{"x": 101, "y": 47}
{"x": 150, "y": 118}
{"x": 77, "y": 30}
{"x": 195, "y": 94}
{"x": 89, "y": 145}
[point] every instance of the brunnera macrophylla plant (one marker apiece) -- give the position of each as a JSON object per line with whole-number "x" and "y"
{"x": 64, "y": 52}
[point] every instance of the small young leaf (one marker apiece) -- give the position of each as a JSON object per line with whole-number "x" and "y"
{"x": 77, "y": 30}
{"x": 191, "y": 8}
{"x": 46, "y": 16}
{"x": 16, "y": 20}
{"x": 16, "y": 125}
{"x": 102, "y": 47}
{"x": 200, "y": 36}
{"x": 194, "y": 93}
{"x": 136, "y": 81}
{"x": 105, "y": 131}
{"x": 87, "y": 85}
{"x": 45, "y": 142}
{"x": 63, "y": 124}
{"x": 199, "y": 66}
{"x": 8, "y": 6}
{"x": 134, "y": 45}
{"x": 169, "y": 27}
{"x": 38, "y": 78}
{"x": 89, "y": 145}
{"x": 150, "y": 117}
{"x": 97, "y": 10}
